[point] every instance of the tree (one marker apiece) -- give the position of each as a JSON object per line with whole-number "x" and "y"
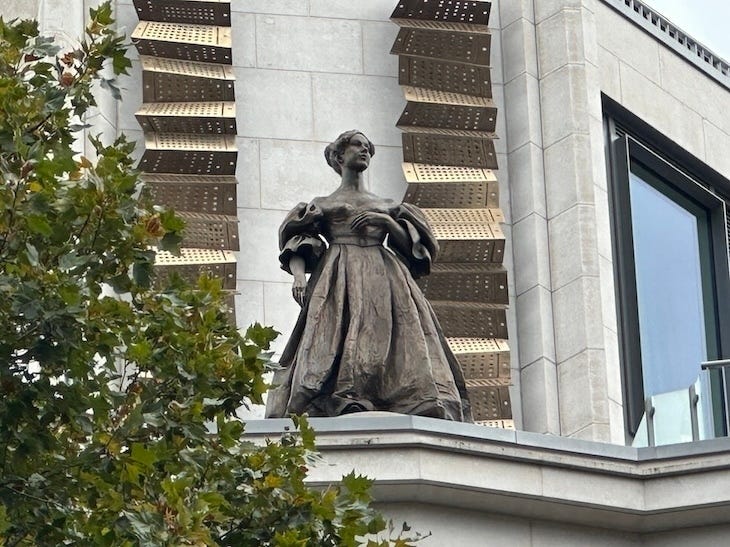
{"x": 109, "y": 382}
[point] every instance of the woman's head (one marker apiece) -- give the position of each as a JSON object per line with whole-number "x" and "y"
{"x": 335, "y": 151}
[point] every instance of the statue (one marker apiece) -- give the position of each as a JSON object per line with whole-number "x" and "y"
{"x": 366, "y": 337}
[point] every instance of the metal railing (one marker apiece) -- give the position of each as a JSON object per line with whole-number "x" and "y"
{"x": 687, "y": 415}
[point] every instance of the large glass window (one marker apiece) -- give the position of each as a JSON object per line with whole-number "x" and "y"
{"x": 671, "y": 257}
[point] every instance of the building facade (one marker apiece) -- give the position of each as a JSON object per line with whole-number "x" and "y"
{"x": 613, "y": 131}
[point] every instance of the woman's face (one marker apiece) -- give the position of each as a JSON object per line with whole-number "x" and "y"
{"x": 357, "y": 153}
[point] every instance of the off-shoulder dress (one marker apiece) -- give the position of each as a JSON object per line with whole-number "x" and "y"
{"x": 366, "y": 337}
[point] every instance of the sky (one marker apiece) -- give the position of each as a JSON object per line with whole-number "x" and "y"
{"x": 704, "y": 20}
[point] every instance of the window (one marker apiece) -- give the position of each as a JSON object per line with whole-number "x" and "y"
{"x": 671, "y": 265}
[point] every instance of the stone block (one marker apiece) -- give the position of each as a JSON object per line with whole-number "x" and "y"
{"x": 259, "y": 254}
{"x": 531, "y": 253}
{"x": 608, "y": 66}
{"x": 693, "y": 88}
{"x": 653, "y": 104}
{"x": 616, "y": 425}
{"x": 280, "y": 311}
{"x": 519, "y": 50}
{"x": 539, "y": 394}
{"x": 248, "y": 173}
{"x": 377, "y": 39}
{"x": 614, "y": 387}
{"x": 577, "y": 318}
{"x": 447, "y": 524}
{"x": 127, "y": 20}
{"x": 500, "y": 144}
{"x": 309, "y": 44}
{"x": 249, "y": 303}
{"x": 573, "y": 252}
{"x": 626, "y": 493}
{"x": 620, "y": 37}
{"x": 564, "y": 100}
{"x": 370, "y": 103}
{"x": 512, "y": 10}
{"x": 385, "y": 175}
{"x": 582, "y": 391}
{"x": 278, "y": 7}
{"x": 294, "y": 171}
{"x": 560, "y": 41}
{"x": 274, "y": 104}
{"x": 717, "y": 144}
{"x": 548, "y": 8}
{"x": 377, "y": 10}
{"x": 608, "y": 293}
{"x": 568, "y": 174}
{"x": 687, "y": 490}
{"x": 526, "y": 182}
{"x": 535, "y": 326}
{"x": 131, "y": 88}
{"x": 522, "y": 105}
{"x": 136, "y": 136}
{"x": 244, "y": 39}
{"x": 22, "y": 9}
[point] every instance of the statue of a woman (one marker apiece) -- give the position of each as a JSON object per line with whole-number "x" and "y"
{"x": 366, "y": 337}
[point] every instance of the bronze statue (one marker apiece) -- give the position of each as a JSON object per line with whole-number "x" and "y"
{"x": 366, "y": 337}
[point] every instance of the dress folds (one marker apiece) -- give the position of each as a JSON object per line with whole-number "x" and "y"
{"x": 366, "y": 337}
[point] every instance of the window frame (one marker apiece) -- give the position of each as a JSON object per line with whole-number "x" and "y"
{"x": 630, "y": 139}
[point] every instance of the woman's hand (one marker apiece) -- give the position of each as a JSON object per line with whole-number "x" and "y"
{"x": 372, "y": 218}
{"x": 299, "y": 289}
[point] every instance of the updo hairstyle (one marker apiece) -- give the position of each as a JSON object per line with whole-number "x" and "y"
{"x": 337, "y": 148}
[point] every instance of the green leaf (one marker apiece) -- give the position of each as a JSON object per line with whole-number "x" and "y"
{"x": 141, "y": 454}
{"x": 38, "y": 224}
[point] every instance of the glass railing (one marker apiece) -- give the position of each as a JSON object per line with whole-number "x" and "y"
{"x": 690, "y": 414}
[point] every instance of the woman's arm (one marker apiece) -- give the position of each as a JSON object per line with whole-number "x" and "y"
{"x": 299, "y": 287}
{"x": 398, "y": 237}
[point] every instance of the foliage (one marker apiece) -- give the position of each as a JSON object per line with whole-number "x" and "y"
{"x": 111, "y": 383}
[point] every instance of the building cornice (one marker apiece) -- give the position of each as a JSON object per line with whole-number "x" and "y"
{"x": 422, "y": 460}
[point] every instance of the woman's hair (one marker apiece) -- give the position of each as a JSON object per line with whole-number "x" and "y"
{"x": 337, "y": 148}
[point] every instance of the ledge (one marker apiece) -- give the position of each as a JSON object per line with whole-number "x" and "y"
{"x": 521, "y": 474}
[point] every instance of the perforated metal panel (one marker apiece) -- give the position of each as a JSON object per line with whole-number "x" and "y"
{"x": 443, "y": 14}
{"x": 449, "y": 150}
{"x": 469, "y": 320}
{"x": 191, "y": 263}
{"x": 448, "y": 116}
{"x": 470, "y": 244}
{"x": 482, "y": 357}
{"x": 170, "y": 80}
{"x": 189, "y": 117}
{"x": 445, "y": 76}
{"x": 460, "y": 47}
{"x": 201, "y": 12}
{"x": 453, "y": 194}
{"x": 453, "y": 216}
{"x": 489, "y": 402}
{"x": 466, "y": 283}
{"x": 210, "y": 231}
{"x": 421, "y": 172}
{"x": 189, "y": 154}
{"x": 207, "y": 44}
{"x": 424, "y": 95}
{"x": 450, "y": 186}
{"x": 202, "y": 194}
{"x": 501, "y": 424}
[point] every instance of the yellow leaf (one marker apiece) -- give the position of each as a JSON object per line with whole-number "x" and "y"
{"x": 35, "y": 186}
{"x": 273, "y": 481}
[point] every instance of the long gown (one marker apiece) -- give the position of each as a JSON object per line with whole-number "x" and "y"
{"x": 366, "y": 337}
